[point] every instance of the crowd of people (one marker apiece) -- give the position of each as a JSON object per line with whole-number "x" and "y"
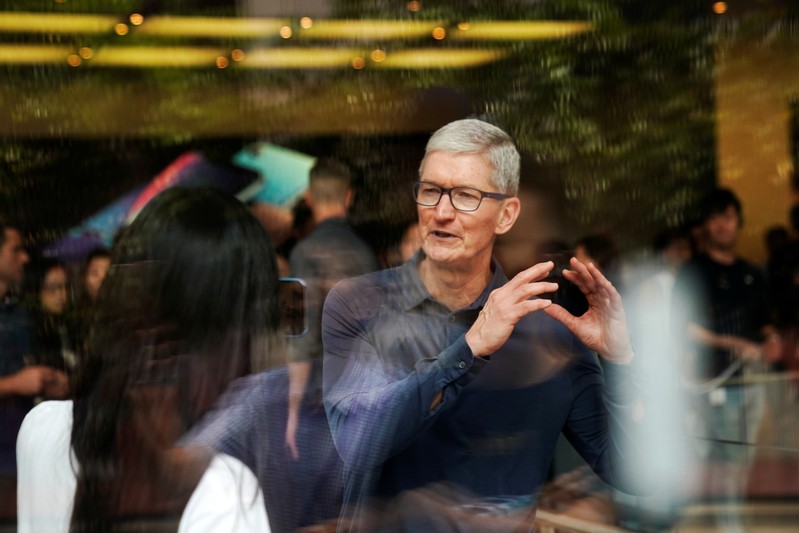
{"x": 428, "y": 394}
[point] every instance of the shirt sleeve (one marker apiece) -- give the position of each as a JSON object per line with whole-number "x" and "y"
{"x": 375, "y": 407}
{"x": 230, "y": 427}
{"x": 604, "y": 423}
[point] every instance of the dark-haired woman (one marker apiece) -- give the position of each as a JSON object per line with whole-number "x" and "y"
{"x": 52, "y": 326}
{"x": 190, "y": 297}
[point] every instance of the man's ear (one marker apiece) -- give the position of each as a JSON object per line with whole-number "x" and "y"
{"x": 507, "y": 217}
{"x": 349, "y": 198}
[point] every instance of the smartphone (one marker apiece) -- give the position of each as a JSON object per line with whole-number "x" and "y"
{"x": 567, "y": 295}
{"x": 293, "y": 304}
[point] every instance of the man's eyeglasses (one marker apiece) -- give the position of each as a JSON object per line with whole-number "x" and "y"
{"x": 462, "y": 198}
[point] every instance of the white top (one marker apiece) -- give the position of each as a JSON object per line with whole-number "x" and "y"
{"x": 227, "y": 498}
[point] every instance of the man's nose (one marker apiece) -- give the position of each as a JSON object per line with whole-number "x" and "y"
{"x": 444, "y": 208}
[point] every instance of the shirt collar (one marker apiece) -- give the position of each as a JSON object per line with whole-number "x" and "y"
{"x": 415, "y": 293}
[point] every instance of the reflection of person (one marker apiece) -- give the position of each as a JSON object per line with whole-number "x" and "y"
{"x": 719, "y": 298}
{"x": 53, "y": 330}
{"x": 443, "y": 371}
{"x": 719, "y": 311}
{"x": 330, "y": 253}
{"x": 19, "y": 383}
{"x": 191, "y": 292}
{"x": 94, "y": 271}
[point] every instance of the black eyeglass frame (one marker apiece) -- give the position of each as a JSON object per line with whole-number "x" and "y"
{"x": 448, "y": 192}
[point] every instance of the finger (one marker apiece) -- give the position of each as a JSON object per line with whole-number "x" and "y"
{"x": 536, "y": 288}
{"x": 601, "y": 283}
{"x": 560, "y": 314}
{"x": 534, "y": 273}
{"x": 604, "y": 287}
{"x": 581, "y": 279}
{"x": 531, "y": 306}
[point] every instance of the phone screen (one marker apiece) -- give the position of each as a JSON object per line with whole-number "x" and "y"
{"x": 293, "y": 303}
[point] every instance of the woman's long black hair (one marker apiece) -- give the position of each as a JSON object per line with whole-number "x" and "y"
{"x": 189, "y": 298}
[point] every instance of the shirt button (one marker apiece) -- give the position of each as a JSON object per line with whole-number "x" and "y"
{"x": 462, "y": 365}
{"x": 452, "y": 319}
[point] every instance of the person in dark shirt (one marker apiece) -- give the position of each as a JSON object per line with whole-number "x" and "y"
{"x": 19, "y": 383}
{"x": 721, "y": 323}
{"x": 447, "y": 385}
{"x": 331, "y": 252}
{"x": 54, "y": 330}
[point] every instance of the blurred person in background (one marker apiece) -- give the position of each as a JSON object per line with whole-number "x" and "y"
{"x": 331, "y": 252}
{"x": 19, "y": 383}
{"x": 408, "y": 244}
{"x": 92, "y": 273}
{"x": 720, "y": 318}
{"x": 54, "y": 332}
{"x": 189, "y": 300}
{"x": 95, "y": 267}
{"x": 447, "y": 385}
{"x": 671, "y": 250}
{"x": 783, "y": 282}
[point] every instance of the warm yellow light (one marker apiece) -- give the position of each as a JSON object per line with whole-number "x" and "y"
{"x": 300, "y": 58}
{"x": 504, "y": 30}
{"x": 436, "y": 58}
{"x": 224, "y": 28}
{"x": 377, "y": 55}
{"x": 285, "y": 32}
{"x": 237, "y": 55}
{"x": 136, "y": 19}
{"x": 86, "y": 52}
{"x": 369, "y": 29}
{"x": 73, "y": 60}
{"x": 222, "y": 62}
{"x": 230, "y": 27}
{"x": 306, "y": 22}
{"x": 55, "y": 23}
{"x": 720, "y": 7}
{"x": 263, "y": 58}
{"x": 414, "y": 6}
{"x": 29, "y": 54}
{"x": 121, "y": 29}
{"x": 439, "y": 33}
{"x": 156, "y": 56}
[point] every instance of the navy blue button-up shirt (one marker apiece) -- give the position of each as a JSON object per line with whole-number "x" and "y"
{"x": 390, "y": 348}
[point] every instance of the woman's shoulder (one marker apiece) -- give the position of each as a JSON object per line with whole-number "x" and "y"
{"x": 44, "y": 436}
{"x": 47, "y": 418}
{"x": 228, "y": 498}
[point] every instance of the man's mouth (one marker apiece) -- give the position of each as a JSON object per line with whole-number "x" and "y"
{"x": 442, "y": 234}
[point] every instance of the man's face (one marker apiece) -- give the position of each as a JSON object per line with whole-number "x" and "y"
{"x": 721, "y": 229}
{"x": 456, "y": 237}
{"x": 13, "y": 258}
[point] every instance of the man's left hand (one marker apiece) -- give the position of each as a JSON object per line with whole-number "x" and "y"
{"x": 603, "y": 328}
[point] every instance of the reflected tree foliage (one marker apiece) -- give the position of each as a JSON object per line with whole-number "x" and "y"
{"x": 619, "y": 120}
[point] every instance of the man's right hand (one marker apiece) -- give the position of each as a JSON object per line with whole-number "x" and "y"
{"x": 506, "y": 306}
